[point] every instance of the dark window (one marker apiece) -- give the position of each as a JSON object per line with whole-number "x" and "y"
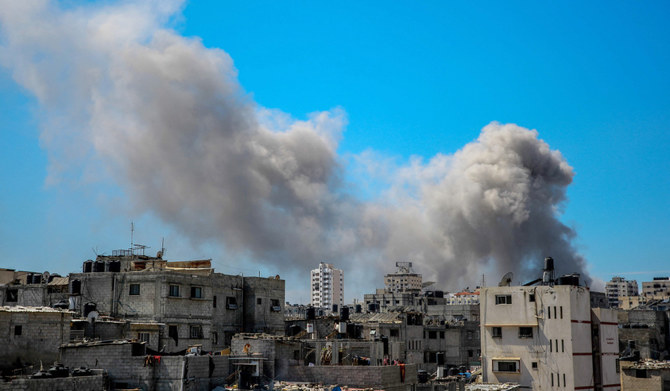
{"x": 259, "y": 301}
{"x": 534, "y": 365}
{"x": 196, "y": 332}
{"x": 143, "y": 337}
{"x": 548, "y": 312}
{"x": 196, "y": 292}
{"x": 555, "y": 317}
{"x": 134, "y": 289}
{"x": 563, "y": 346}
{"x": 173, "y": 333}
{"x": 552, "y": 379}
{"x": 507, "y": 366}
{"x": 531, "y": 297}
{"x": 564, "y": 380}
{"x": 18, "y": 330}
{"x": 470, "y": 353}
{"x": 174, "y": 291}
{"x": 215, "y": 337}
{"x": 525, "y": 332}
{"x": 441, "y": 334}
{"x": 394, "y": 332}
{"x": 214, "y": 302}
{"x": 231, "y": 303}
{"x": 496, "y": 332}
{"x": 432, "y": 334}
{"x": 12, "y": 295}
{"x": 275, "y": 305}
{"x": 503, "y": 299}
{"x": 561, "y": 312}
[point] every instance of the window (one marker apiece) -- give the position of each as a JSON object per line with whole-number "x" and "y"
{"x": 394, "y": 332}
{"x": 215, "y": 338}
{"x": 548, "y": 312}
{"x": 561, "y": 312}
{"x": 432, "y": 334}
{"x": 174, "y": 291}
{"x": 562, "y": 346}
{"x": 533, "y": 365}
{"x": 275, "y": 307}
{"x": 196, "y": 332}
{"x": 196, "y": 292}
{"x": 12, "y": 295}
{"x": 441, "y": 334}
{"x": 470, "y": 353}
{"x": 564, "y": 380}
{"x": 259, "y": 301}
{"x": 214, "y": 301}
{"x": 231, "y": 303}
{"x": 173, "y": 333}
{"x": 506, "y": 366}
{"x": 496, "y": 332}
{"x": 552, "y": 379}
{"x": 525, "y": 332}
{"x": 555, "y": 317}
{"x": 18, "y": 330}
{"x": 503, "y": 299}
{"x": 143, "y": 337}
{"x": 134, "y": 289}
{"x": 531, "y": 297}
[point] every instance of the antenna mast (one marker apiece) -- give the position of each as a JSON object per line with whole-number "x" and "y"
{"x": 132, "y": 231}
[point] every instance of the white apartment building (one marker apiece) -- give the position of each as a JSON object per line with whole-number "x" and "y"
{"x": 464, "y": 297}
{"x": 660, "y": 286}
{"x": 403, "y": 280}
{"x": 327, "y": 287}
{"x": 619, "y": 287}
{"x": 548, "y": 338}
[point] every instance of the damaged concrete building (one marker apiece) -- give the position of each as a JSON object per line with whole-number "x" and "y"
{"x": 33, "y": 289}
{"x": 173, "y": 305}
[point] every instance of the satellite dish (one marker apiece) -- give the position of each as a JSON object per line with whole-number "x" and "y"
{"x": 506, "y": 280}
{"x": 45, "y": 277}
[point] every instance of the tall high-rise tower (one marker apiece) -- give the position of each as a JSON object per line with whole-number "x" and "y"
{"x": 327, "y": 286}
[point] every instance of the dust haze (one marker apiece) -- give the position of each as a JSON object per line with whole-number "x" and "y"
{"x": 122, "y": 96}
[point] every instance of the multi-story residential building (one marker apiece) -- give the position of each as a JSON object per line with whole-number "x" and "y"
{"x": 548, "y": 337}
{"x": 172, "y": 305}
{"x": 465, "y": 297}
{"x": 620, "y": 287}
{"x": 660, "y": 286}
{"x": 327, "y": 287}
{"x": 403, "y": 280}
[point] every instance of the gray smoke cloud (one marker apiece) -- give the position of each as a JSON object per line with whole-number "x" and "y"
{"x": 126, "y": 98}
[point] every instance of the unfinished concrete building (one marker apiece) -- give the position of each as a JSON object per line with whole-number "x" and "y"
{"x": 173, "y": 305}
{"x": 32, "y": 289}
{"x": 31, "y": 334}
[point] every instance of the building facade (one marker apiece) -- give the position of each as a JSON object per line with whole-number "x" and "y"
{"x": 173, "y": 305}
{"x": 403, "y": 280}
{"x": 327, "y": 287}
{"x": 547, "y": 337}
{"x": 660, "y": 286}
{"x": 619, "y": 288}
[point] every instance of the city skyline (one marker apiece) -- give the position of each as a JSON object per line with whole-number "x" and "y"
{"x": 393, "y": 95}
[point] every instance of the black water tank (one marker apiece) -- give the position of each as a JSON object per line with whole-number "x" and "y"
{"x": 311, "y": 313}
{"x": 88, "y": 266}
{"x": 548, "y": 263}
{"x": 76, "y": 287}
{"x": 344, "y": 314}
{"x": 569, "y": 279}
{"x": 88, "y": 307}
{"x": 114, "y": 266}
{"x": 359, "y": 308}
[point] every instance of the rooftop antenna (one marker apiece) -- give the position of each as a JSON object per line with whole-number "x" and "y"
{"x": 506, "y": 280}
{"x": 132, "y": 231}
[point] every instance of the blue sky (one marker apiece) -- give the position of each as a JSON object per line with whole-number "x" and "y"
{"x": 414, "y": 80}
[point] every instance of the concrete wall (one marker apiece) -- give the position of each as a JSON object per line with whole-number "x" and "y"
{"x": 641, "y": 379}
{"x": 95, "y": 382}
{"x": 126, "y": 371}
{"x": 42, "y": 331}
{"x": 385, "y": 377}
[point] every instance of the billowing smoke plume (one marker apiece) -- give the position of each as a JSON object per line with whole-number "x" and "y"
{"x": 166, "y": 118}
